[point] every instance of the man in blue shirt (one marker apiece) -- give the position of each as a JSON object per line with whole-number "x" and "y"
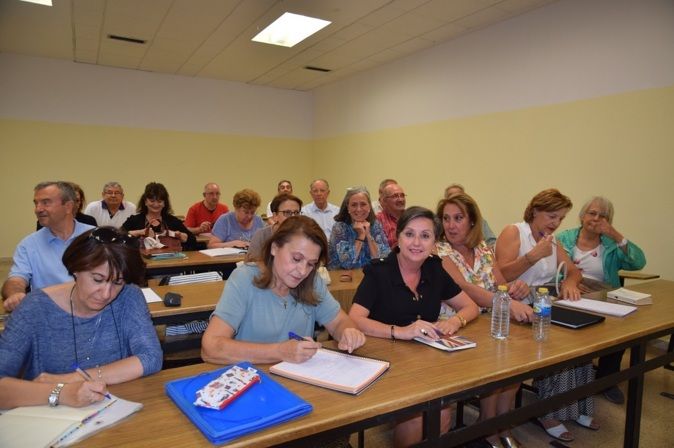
{"x": 37, "y": 258}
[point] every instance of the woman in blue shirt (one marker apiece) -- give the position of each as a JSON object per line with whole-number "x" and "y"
{"x": 99, "y": 322}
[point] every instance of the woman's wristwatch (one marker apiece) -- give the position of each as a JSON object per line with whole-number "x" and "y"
{"x": 54, "y": 395}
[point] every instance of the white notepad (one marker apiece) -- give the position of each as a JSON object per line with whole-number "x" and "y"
{"x": 598, "y": 306}
{"x": 629, "y": 296}
{"x": 334, "y": 370}
{"x": 222, "y": 251}
{"x": 45, "y": 426}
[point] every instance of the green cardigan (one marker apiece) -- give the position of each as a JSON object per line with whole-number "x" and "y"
{"x": 613, "y": 258}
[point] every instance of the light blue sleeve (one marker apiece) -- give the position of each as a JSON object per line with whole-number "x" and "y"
{"x": 328, "y": 308}
{"x": 16, "y": 342}
{"x": 232, "y": 306}
{"x": 21, "y": 266}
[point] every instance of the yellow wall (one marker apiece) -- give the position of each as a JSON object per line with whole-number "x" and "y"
{"x": 32, "y": 152}
{"x": 618, "y": 146}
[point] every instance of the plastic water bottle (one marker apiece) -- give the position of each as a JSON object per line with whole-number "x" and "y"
{"x": 500, "y": 313}
{"x": 542, "y": 315}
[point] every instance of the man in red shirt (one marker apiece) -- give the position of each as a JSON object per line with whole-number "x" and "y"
{"x": 392, "y": 200}
{"x": 202, "y": 215}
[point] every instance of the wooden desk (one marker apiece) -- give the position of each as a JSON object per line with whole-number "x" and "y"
{"x": 195, "y": 262}
{"x": 422, "y": 379}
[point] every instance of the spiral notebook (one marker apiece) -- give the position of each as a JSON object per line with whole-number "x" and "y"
{"x": 264, "y": 404}
{"x": 334, "y": 370}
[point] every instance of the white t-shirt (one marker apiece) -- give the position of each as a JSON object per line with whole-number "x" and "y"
{"x": 590, "y": 262}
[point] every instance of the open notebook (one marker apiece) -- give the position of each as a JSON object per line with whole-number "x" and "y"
{"x": 334, "y": 370}
{"x": 44, "y": 426}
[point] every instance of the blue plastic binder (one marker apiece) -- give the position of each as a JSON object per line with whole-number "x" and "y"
{"x": 265, "y": 404}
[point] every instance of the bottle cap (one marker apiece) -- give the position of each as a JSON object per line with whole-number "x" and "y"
{"x": 503, "y": 287}
{"x": 543, "y": 290}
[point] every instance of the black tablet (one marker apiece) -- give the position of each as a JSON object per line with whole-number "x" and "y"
{"x": 569, "y": 318}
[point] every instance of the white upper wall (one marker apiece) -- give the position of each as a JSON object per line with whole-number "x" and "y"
{"x": 590, "y": 48}
{"x": 66, "y": 92}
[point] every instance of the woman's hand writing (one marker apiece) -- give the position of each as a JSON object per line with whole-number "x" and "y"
{"x": 298, "y": 351}
{"x": 83, "y": 393}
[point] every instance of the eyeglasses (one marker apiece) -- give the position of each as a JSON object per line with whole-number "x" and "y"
{"x": 594, "y": 214}
{"x": 396, "y": 196}
{"x": 289, "y": 213}
{"x": 114, "y": 193}
{"x": 108, "y": 235}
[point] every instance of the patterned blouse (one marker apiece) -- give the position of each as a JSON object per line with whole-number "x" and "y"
{"x": 342, "y": 246}
{"x": 481, "y": 273}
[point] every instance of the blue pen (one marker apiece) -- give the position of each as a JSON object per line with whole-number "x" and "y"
{"x": 296, "y": 337}
{"x": 86, "y": 376}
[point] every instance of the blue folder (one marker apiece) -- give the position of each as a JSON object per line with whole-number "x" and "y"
{"x": 265, "y": 404}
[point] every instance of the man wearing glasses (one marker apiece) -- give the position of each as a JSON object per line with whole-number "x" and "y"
{"x": 113, "y": 210}
{"x": 37, "y": 258}
{"x": 202, "y": 215}
{"x": 392, "y": 200}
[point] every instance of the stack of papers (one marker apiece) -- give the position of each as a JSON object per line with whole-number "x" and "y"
{"x": 203, "y": 277}
{"x": 222, "y": 251}
{"x": 598, "y": 306}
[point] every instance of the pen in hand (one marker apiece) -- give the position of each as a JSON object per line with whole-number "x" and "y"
{"x": 295, "y": 337}
{"x": 86, "y": 376}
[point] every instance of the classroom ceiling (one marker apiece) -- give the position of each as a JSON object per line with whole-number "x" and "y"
{"x": 212, "y": 38}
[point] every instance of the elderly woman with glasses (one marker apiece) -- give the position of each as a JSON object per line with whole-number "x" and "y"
{"x": 65, "y": 343}
{"x": 236, "y": 228}
{"x": 283, "y": 206}
{"x": 357, "y": 237}
{"x": 599, "y": 250}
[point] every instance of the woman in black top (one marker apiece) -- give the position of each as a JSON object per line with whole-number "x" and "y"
{"x": 155, "y": 217}
{"x": 400, "y": 298}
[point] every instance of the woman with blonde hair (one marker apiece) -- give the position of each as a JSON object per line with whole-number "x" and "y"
{"x": 528, "y": 251}
{"x": 470, "y": 262}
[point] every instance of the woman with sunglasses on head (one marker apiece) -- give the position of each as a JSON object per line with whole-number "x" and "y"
{"x": 98, "y": 323}
{"x": 357, "y": 237}
{"x": 155, "y": 217}
{"x": 283, "y": 206}
{"x": 600, "y": 251}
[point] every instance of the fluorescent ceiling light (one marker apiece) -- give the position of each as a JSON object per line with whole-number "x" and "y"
{"x": 39, "y": 2}
{"x": 290, "y": 29}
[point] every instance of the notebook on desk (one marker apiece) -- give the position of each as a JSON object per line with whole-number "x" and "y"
{"x": 565, "y": 317}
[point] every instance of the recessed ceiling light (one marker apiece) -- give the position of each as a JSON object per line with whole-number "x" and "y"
{"x": 290, "y": 29}
{"x": 39, "y": 2}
